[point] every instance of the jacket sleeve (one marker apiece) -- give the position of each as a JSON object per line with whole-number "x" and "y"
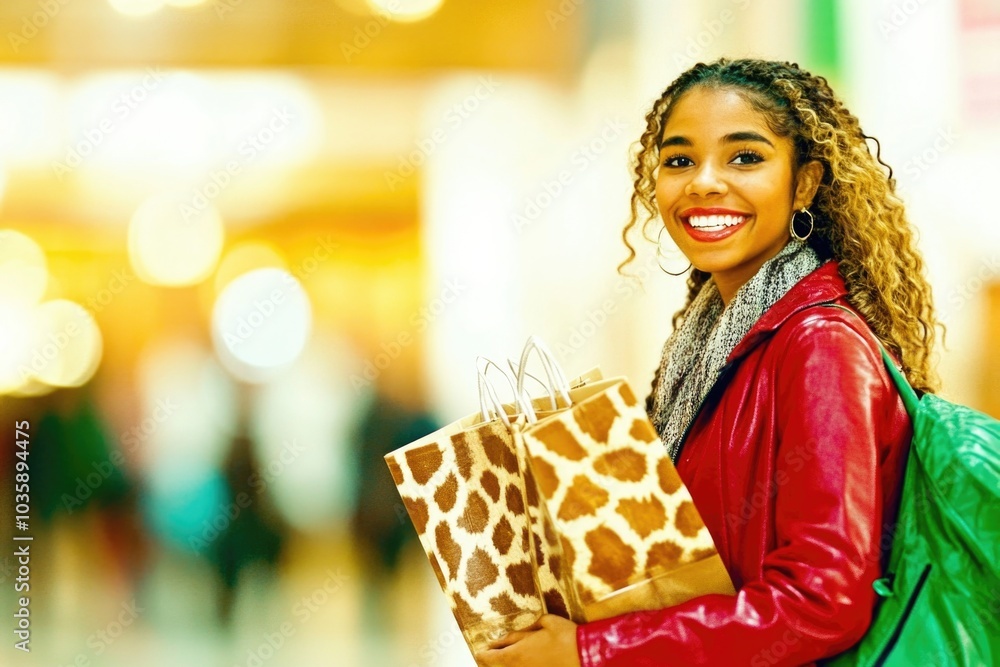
{"x": 813, "y": 597}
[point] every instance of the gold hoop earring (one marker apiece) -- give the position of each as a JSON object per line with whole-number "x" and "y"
{"x": 660, "y": 255}
{"x": 791, "y": 225}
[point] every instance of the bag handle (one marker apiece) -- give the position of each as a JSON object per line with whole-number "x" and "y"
{"x": 557, "y": 385}
{"x": 910, "y": 399}
{"x": 489, "y": 401}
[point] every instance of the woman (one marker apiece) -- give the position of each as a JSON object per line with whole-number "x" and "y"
{"x": 775, "y": 406}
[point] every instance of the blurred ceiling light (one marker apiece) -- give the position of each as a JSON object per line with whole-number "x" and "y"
{"x": 245, "y": 257}
{"x": 175, "y": 240}
{"x": 265, "y": 118}
{"x": 23, "y": 272}
{"x": 405, "y": 11}
{"x": 67, "y": 344}
{"x": 261, "y": 323}
{"x": 136, "y": 7}
{"x": 30, "y": 116}
{"x": 144, "y": 117}
{"x": 202, "y": 129}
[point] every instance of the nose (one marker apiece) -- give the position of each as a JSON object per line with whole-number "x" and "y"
{"x": 705, "y": 182}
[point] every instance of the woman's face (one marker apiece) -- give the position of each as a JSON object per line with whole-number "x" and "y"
{"x": 726, "y": 186}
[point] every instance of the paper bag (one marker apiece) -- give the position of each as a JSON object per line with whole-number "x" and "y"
{"x": 463, "y": 489}
{"x": 631, "y": 536}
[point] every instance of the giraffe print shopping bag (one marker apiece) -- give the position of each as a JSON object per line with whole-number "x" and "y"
{"x": 631, "y": 536}
{"x": 482, "y": 526}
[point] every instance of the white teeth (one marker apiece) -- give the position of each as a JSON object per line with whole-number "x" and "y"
{"x": 716, "y": 221}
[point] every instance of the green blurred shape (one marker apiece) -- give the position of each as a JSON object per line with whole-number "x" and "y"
{"x": 823, "y": 37}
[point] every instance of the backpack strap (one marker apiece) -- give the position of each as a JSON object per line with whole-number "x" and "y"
{"x": 910, "y": 399}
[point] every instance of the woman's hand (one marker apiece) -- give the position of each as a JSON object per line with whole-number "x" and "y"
{"x": 550, "y": 642}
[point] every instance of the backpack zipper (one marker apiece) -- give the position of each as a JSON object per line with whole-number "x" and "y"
{"x": 894, "y": 637}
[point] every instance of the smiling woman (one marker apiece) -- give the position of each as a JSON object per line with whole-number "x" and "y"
{"x": 731, "y": 157}
{"x": 779, "y": 413}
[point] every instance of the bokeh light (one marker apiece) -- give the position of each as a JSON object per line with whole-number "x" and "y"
{"x": 23, "y": 270}
{"x": 17, "y": 336}
{"x": 136, "y": 7}
{"x": 261, "y": 323}
{"x": 175, "y": 240}
{"x": 245, "y": 257}
{"x": 406, "y": 11}
{"x": 68, "y": 344}
{"x": 253, "y": 245}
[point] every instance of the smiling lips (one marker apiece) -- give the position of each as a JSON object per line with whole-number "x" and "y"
{"x": 712, "y": 224}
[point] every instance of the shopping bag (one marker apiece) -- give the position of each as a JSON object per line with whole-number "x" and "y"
{"x": 479, "y": 524}
{"x": 631, "y": 536}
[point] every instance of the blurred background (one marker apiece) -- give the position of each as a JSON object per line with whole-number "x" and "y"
{"x": 247, "y": 247}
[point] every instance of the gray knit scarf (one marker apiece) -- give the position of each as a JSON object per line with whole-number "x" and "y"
{"x": 696, "y": 351}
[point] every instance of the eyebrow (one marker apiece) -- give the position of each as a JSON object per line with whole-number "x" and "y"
{"x": 732, "y": 137}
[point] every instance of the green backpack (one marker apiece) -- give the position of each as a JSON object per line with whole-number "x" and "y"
{"x": 940, "y": 599}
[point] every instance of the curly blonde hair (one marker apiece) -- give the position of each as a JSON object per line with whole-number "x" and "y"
{"x": 859, "y": 219}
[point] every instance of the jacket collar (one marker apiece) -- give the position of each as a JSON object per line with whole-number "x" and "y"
{"x": 821, "y": 286}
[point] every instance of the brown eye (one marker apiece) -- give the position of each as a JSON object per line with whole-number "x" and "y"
{"x": 747, "y": 157}
{"x": 677, "y": 161}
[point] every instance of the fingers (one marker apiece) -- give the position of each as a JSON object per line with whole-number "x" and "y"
{"x": 494, "y": 657}
{"x": 517, "y": 635}
{"x": 509, "y": 638}
{"x": 550, "y": 621}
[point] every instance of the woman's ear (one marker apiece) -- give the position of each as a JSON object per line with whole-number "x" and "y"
{"x": 807, "y": 183}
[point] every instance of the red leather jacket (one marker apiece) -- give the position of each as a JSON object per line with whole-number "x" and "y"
{"x": 796, "y": 468}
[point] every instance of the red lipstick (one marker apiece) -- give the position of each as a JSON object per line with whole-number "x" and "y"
{"x": 708, "y": 235}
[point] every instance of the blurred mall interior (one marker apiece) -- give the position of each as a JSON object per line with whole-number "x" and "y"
{"x": 247, "y": 247}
